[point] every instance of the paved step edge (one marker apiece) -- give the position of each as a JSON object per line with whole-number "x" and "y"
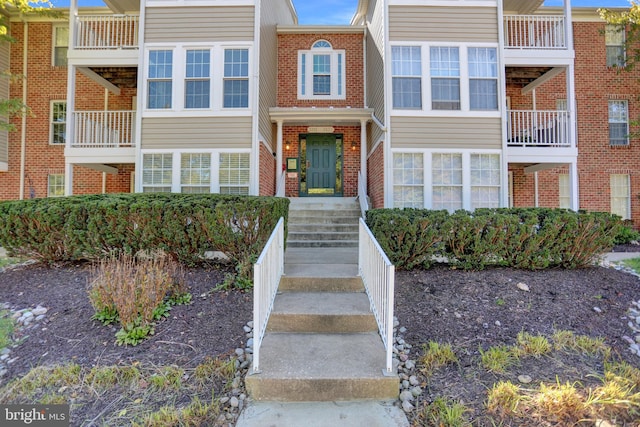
{"x": 320, "y": 284}
{"x": 322, "y": 244}
{"x": 321, "y": 323}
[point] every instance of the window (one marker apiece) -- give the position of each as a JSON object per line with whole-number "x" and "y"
{"x": 614, "y": 41}
{"x": 483, "y": 78}
{"x": 620, "y": 196}
{"x": 234, "y": 173}
{"x": 159, "y": 79}
{"x": 195, "y": 173}
{"x": 618, "y": 123}
{"x": 197, "y": 85}
{"x": 408, "y": 180}
{"x": 447, "y": 181}
{"x": 564, "y": 193}
{"x": 485, "y": 181}
{"x": 157, "y": 170}
{"x": 236, "y": 78}
{"x": 445, "y": 78}
{"x": 321, "y": 72}
{"x": 55, "y": 185}
{"x": 60, "y": 46}
{"x": 406, "y": 66}
{"x": 58, "y": 129}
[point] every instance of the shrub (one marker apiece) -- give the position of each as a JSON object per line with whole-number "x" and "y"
{"x": 135, "y": 293}
{"x": 626, "y": 234}
{"x": 184, "y": 226}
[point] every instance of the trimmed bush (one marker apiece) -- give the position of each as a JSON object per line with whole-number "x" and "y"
{"x": 532, "y": 238}
{"x": 184, "y": 226}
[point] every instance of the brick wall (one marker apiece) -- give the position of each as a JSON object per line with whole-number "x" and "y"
{"x": 375, "y": 177}
{"x": 267, "y": 171}
{"x": 46, "y": 83}
{"x": 288, "y": 47}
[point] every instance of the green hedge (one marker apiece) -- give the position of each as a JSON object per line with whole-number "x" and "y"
{"x": 183, "y": 225}
{"x": 532, "y": 238}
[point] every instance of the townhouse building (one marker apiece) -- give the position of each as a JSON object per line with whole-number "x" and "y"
{"x": 441, "y": 104}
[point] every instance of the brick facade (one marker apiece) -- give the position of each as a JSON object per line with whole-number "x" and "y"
{"x": 267, "y": 171}
{"x": 375, "y": 177}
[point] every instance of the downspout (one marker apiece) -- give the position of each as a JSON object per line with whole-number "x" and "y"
{"x": 23, "y": 130}
{"x": 106, "y": 108}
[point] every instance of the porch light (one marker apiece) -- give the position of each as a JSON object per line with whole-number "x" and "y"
{"x": 353, "y": 146}
{"x": 287, "y": 146}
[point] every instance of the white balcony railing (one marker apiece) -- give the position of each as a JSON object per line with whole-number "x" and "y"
{"x": 103, "y": 129}
{"x": 534, "y": 32}
{"x": 538, "y": 128}
{"x": 267, "y": 272}
{"x": 378, "y": 276}
{"x": 106, "y": 32}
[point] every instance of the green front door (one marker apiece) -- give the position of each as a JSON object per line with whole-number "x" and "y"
{"x": 321, "y": 165}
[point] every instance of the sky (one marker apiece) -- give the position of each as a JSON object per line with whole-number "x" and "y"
{"x": 340, "y": 12}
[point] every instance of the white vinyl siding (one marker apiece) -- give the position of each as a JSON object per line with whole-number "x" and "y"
{"x": 618, "y": 123}
{"x": 620, "y": 195}
{"x": 408, "y": 180}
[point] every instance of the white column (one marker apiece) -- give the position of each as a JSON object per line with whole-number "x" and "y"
{"x": 68, "y": 178}
{"x": 278, "y": 155}
{"x": 573, "y": 186}
{"x": 363, "y": 153}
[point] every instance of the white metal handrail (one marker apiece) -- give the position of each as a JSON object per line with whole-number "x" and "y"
{"x": 534, "y": 32}
{"x": 105, "y": 129}
{"x": 267, "y": 272}
{"x": 106, "y": 32}
{"x": 362, "y": 196}
{"x": 378, "y": 276}
{"x": 546, "y": 128}
{"x": 281, "y": 185}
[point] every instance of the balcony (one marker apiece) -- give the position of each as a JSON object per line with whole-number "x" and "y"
{"x": 102, "y": 137}
{"x": 538, "y": 129}
{"x": 106, "y": 40}
{"x": 536, "y": 40}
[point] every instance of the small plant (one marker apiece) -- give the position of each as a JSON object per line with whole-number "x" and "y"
{"x": 211, "y": 367}
{"x": 500, "y": 302}
{"x": 436, "y": 355}
{"x": 560, "y": 402}
{"x": 136, "y": 292}
{"x": 568, "y": 341}
{"x": 444, "y": 413}
{"x": 633, "y": 264}
{"x": 626, "y": 234}
{"x": 168, "y": 377}
{"x": 6, "y": 328}
{"x": 497, "y": 359}
{"x": 531, "y": 345}
{"x": 504, "y": 398}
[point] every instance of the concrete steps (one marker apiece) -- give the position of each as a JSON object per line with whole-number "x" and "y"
{"x": 323, "y": 222}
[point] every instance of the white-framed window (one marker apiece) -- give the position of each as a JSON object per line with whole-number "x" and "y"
{"x": 564, "y": 191}
{"x": 58, "y": 123}
{"x": 157, "y": 172}
{"x": 234, "y": 173}
{"x": 614, "y": 36}
{"x": 197, "y": 81}
{"x": 620, "y": 195}
{"x": 618, "y": 123}
{"x": 446, "y": 175}
{"x": 236, "y": 78}
{"x": 485, "y": 180}
{"x": 55, "y": 185}
{"x": 195, "y": 173}
{"x": 445, "y": 78}
{"x": 159, "y": 79}
{"x": 447, "y": 179}
{"x": 60, "y": 46}
{"x": 483, "y": 78}
{"x": 406, "y": 70}
{"x": 321, "y": 72}
{"x": 408, "y": 180}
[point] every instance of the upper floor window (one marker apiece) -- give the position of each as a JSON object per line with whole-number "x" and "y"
{"x": 321, "y": 72}
{"x": 406, "y": 71}
{"x": 58, "y": 126}
{"x": 159, "y": 83}
{"x": 483, "y": 78}
{"x": 618, "y": 123}
{"x": 197, "y": 82}
{"x": 60, "y": 46}
{"x": 445, "y": 78}
{"x": 236, "y": 78}
{"x": 614, "y": 41}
